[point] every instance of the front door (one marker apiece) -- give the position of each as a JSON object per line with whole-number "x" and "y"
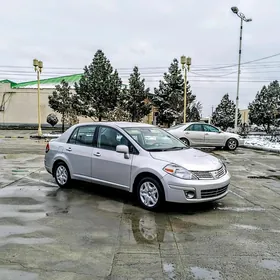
{"x": 108, "y": 166}
{"x": 79, "y": 149}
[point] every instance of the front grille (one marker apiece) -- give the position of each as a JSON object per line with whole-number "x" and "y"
{"x": 213, "y": 192}
{"x": 210, "y": 175}
{"x": 203, "y": 175}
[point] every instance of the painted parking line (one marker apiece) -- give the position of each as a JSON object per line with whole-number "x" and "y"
{"x": 41, "y": 181}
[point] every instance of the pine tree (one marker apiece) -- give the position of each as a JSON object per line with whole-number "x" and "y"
{"x": 99, "y": 88}
{"x": 263, "y": 110}
{"x": 224, "y": 114}
{"x": 169, "y": 97}
{"x": 195, "y": 111}
{"x": 119, "y": 113}
{"x": 137, "y": 94}
{"x": 63, "y": 101}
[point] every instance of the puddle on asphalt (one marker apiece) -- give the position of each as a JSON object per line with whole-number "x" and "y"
{"x": 9, "y": 274}
{"x": 270, "y": 264}
{"x": 205, "y": 274}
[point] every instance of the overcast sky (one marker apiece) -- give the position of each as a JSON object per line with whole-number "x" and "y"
{"x": 148, "y": 33}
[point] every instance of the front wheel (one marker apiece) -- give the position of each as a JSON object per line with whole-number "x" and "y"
{"x": 150, "y": 193}
{"x": 62, "y": 175}
{"x": 231, "y": 144}
{"x": 185, "y": 141}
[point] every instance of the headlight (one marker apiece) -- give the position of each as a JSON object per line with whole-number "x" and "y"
{"x": 223, "y": 164}
{"x": 179, "y": 172}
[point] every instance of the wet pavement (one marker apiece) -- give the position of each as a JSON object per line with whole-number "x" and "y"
{"x": 91, "y": 232}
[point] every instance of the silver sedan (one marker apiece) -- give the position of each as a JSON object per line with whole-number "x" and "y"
{"x": 200, "y": 134}
{"x": 138, "y": 158}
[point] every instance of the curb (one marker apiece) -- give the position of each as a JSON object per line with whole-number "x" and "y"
{"x": 14, "y": 137}
{"x": 42, "y": 137}
{"x": 277, "y": 151}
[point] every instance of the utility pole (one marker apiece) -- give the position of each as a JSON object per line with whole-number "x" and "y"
{"x": 235, "y": 10}
{"x": 185, "y": 61}
{"x": 38, "y": 66}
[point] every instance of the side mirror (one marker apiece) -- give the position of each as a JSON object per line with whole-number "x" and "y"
{"x": 123, "y": 149}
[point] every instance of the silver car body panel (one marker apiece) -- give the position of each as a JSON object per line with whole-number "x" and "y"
{"x": 204, "y": 138}
{"x": 109, "y": 168}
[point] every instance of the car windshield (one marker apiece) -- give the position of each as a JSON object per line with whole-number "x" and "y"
{"x": 155, "y": 139}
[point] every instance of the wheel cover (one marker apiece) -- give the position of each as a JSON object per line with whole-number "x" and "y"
{"x": 149, "y": 194}
{"x": 185, "y": 141}
{"x": 61, "y": 175}
{"x": 232, "y": 144}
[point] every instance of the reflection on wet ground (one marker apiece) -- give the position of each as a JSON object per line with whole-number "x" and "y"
{"x": 91, "y": 232}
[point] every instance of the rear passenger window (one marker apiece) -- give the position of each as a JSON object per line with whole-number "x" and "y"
{"x": 83, "y": 136}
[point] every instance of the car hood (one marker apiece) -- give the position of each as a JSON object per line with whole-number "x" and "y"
{"x": 191, "y": 159}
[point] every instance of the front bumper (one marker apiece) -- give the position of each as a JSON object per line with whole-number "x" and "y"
{"x": 241, "y": 142}
{"x": 205, "y": 190}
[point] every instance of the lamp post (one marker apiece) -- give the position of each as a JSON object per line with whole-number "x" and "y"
{"x": 242, "y": 17}
{"x": 186, "y": 63}
{"x": 38, "y": 66}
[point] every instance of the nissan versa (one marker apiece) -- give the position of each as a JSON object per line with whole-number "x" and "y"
{"x": 138, "y": 158}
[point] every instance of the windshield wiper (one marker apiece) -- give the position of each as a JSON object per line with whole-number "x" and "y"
{"x": 175, "y": 148}
{"x": 166, "y": 149}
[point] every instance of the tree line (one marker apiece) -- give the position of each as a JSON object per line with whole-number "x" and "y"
{"x": 101, "y": 95}
{"x": 264, "y": 110}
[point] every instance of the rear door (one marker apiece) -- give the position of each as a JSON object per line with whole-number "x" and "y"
{"x": 79, "y": 149}
{"x": 195, "y": 134}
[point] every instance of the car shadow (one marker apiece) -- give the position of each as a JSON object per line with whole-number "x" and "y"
{"x": 130, "y": 199}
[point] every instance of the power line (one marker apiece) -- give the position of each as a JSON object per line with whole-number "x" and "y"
{"x": 158, "y": 67}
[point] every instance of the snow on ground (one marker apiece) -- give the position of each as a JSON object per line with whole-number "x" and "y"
{"x": 50, "y": 135}
{"x": 263, "y": 142}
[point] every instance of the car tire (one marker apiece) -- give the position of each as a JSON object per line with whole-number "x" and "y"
{"x": 185, "y": 141}
{"x": 232, "y": 144}
{"x": 150, "y": 194}
{"x": 62, "y": 175}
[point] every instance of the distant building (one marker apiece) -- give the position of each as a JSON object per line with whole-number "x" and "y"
{"x": 18, "y": 101}
{"x": 244, "y": 116}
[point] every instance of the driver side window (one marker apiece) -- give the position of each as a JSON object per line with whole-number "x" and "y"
{"x": 109, "y": 138}
{"x": 210, "y": 128}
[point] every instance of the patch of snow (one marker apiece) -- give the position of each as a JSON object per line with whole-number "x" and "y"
{"x": 263, "y": 142}
{"x": 51, "y": 135}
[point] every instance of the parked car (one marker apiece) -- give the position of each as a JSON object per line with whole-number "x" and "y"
{"x": 120, "y": 155}
{"x": 199, "y": 134}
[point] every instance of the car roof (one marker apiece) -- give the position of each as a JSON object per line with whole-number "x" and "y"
{"x": 117, "y": 124}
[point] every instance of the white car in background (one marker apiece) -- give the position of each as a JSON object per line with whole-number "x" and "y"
{"x": 199, "y": 134}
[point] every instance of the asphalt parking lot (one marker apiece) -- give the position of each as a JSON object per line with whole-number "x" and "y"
{"x": 91, "y": 232}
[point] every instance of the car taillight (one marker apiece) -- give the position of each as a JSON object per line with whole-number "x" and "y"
{"x": 47, "y": 147}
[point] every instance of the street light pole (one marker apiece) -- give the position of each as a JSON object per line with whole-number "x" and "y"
{"x": 38, "y": 66}
{"x": 185, "y": 61}
{"x": 242, "y": 17}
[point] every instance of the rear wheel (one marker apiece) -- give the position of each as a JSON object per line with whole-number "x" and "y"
{"x": 150, "y": 193}
{"x": 185, "y": 141}
{"x": 232, "y": 144}
{"x": 62, "y": 175}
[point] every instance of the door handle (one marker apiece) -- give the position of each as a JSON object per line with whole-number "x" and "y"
{"x": 187, "y": 133}
{"x": 206, "y": 133}
{"x": 97, "y": 154}
{"x": 69, "y": 149}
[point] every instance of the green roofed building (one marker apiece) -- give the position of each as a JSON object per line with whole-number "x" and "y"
{"x": 18, "y": 101}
